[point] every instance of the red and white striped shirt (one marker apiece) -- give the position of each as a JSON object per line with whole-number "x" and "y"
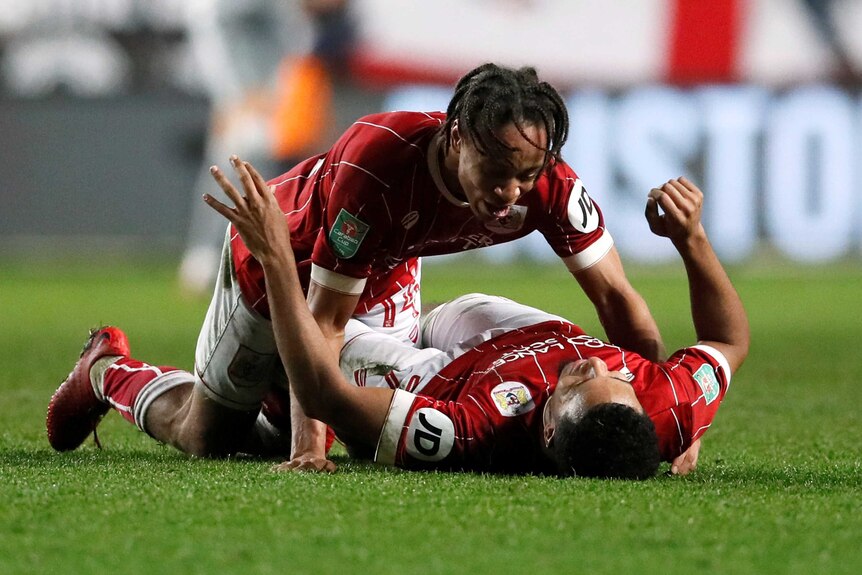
{"x": 483, "y": 411}
{"x": 362, "y": 212}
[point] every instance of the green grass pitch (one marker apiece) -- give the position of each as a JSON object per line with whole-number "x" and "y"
{"x": 777, "y": 490}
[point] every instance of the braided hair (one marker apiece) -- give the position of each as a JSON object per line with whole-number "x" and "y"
{"x": 491, "y": 96}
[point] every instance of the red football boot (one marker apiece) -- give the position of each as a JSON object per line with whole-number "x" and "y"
{"x": 75, "y": 409}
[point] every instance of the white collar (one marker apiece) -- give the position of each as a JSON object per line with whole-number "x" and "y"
{"x": 434, "y": 168}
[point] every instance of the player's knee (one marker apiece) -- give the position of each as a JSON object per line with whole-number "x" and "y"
{"x": 204, "y": 447}
{"x": 211, "y": 430}
{"x": 213, "y": 442}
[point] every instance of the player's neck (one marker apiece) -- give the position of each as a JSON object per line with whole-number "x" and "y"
{"x": 449, "y": 169}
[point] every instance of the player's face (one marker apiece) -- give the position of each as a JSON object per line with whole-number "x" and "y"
{"x": 492, "y": 184}
{"x": 586, "y": 383}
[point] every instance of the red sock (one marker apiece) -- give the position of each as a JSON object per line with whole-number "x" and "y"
{"x": 125, "y": 379}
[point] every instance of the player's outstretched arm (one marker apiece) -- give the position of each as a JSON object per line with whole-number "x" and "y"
{"x": 622, "y": 311}
{"x": 716, "y": 309}
{"x": 356, "y": 414}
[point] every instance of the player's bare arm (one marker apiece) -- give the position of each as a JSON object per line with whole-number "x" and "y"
{"x": 356, "y": 414}
{"x": 716, "y": 309}
{"x": 622, "y": 311}
{"x": 717, "y": 312}
{"x": 331, "y": 310}
{"x": 308, "y": 436}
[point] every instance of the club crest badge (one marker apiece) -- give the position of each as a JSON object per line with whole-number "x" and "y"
{"x": 512, "y": 399}
{"x": 513, "y": 222}
{"x": 347, "y": 234}
{"x": 705, "y": 378}
{"x": 249, "y": 367}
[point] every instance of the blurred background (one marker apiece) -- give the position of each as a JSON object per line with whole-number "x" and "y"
{"x": 110, "y": 110}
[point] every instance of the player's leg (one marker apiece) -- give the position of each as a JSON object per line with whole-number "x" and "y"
{"x": 190, "y": 421}
{"x": 163, "y": 402}
{"x": 207, "y": 414}
{"x": 465, "y": 322}
{"x": 156, "y": 399}
{"x": 200, "y": 261}
{"x": 380, "y": 342}
{"x": 236, "y": 362}
{"x": 373, "y": 359}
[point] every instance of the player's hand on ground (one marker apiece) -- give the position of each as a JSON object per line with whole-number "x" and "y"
{"x": 682, "y": 203}
{"x": 256, "y": 213}
{"x": 307, "y": 463}
{"x": 687, "y": 462}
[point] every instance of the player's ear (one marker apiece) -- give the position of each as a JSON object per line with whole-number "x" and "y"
{"x": 548, "y": 433}
{"x": 455, "y": 136}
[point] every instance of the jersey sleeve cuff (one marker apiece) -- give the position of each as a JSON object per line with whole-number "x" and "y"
{"x": 336, "y": 281}
{"x": 390, "y": 435}
{"x": 592, "y": 255}
{"x": 719, "y": 358}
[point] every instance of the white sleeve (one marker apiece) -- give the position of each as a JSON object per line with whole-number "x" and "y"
{"x": 336, "y": 281}
{"x": 592, "y": 255}
{"x": 390, "y": 435}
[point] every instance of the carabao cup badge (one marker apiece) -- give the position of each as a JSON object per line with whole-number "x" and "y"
{"x": 705, "y": 378}
{"x": 347, "y": 234}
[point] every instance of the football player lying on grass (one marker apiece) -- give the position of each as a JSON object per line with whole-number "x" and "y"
{"x": 541, "y": 398}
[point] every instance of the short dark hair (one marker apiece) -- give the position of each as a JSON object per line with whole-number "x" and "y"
{"x": 490, "y": 96}
{"x": 610, "y": 440}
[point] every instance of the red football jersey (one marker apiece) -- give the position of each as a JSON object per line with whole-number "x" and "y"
{"x": 376, "y": 200}
{"x": 484, "y": 410}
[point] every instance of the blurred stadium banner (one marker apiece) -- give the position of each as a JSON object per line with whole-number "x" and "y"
{"x": 616, "y": 44}
{"x": 758, "y": 100}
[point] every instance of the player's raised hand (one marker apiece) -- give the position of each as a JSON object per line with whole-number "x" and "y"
{"x": 256, "y": 213}
{"x": 682, "y": 203}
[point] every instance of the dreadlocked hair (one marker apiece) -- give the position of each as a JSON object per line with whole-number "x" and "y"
{"x": 611, "y": 441}
{"x": 491, "y": 96}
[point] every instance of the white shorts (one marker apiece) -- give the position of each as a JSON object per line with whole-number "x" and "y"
{"x": 236, "y": 359}
{"x": 398, "y": 314}
{"x": 372, "y": 359}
